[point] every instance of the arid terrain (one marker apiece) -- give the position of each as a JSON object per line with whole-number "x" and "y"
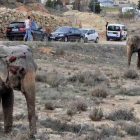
{"x": 83, "y": 92}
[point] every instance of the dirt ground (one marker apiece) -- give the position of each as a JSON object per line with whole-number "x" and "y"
{"x": 83, "y": 92}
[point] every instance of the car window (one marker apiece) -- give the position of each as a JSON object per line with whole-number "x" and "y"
{"x": 77, "y": 31}
{"x": 123, "y": 27}
{"x": 33, "y": 26}
{"x": 84, "y": 31}
{"x": 17, "y": 25}
{"x": 93, "y": 31}
{"x": 72, "y": 31}
{"x": 89, "y": 32}
{"x": 36, "y": 25}
{"x": 62, "y": 29}
{"x": 113, "y": 28}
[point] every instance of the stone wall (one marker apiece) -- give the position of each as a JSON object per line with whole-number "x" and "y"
{"x": 45, "y": 20}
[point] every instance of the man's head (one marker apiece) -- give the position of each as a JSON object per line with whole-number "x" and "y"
{"x": 29, "y": 17}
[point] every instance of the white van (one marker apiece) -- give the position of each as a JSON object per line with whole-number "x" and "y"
{"x": 116, "y": 31}
{"x": 125, "y": 9}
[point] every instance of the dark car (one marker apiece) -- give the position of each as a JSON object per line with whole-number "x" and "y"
{"x": 17, "y": 30}
{"x": 67, "y": 34}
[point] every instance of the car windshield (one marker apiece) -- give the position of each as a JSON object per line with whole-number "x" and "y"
{"x": 84, "y": 31}
{"x": 17, "y": 25}
{"x": 113, "y": 28}
{"x": 62, "y": 29}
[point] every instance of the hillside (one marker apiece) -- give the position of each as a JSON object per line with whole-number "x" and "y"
{"x": 135, "y": 1}
{"x": 88, "y": 20}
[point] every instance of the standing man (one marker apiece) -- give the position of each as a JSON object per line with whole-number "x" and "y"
{"x": 28, "y": 29}
{"x": 106, "y": 28}
{"x": 106, "y": 24}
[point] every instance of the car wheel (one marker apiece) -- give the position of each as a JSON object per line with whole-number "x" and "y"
{"x": 11, "y": 39}
{"x": 107, "y": 39}
{"x": 121, "y": 38}
{"x": 97, "y": 40}
{"x": 65, "y": 39}
{"x": 125, "y": 37}
{"x": 81, "y": 40}
{"x": 86, "y": 40}
{"x": 31, "y": 38}
{"x": 45, "y": 38}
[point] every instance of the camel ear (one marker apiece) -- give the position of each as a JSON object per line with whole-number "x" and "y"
{"x": 3, "y": 70}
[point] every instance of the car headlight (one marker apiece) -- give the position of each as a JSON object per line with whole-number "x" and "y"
{"x": 61, "y": 35}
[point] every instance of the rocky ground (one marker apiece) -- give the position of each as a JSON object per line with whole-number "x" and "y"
{"x": 83, "y": 92}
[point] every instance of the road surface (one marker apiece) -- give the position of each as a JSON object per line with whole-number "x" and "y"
{"x": 100, "y": 41}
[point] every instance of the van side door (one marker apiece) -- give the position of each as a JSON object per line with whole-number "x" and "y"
{"x": 124, "y": 32}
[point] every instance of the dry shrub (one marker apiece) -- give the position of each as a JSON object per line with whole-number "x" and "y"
{"x": 49, "y": 106}
{"x": 138, "y": 102}
{"x": 59, "y": 51}
{"x": 88, "y": 78}
{"x": 99, "y": 91}
{"x": 109, "y": 131}
{"x": 60, "y": 126}
{"x": 41, "y": 77}
{"x": 105, "y": 133}
{"x": 131, "y": 74}
{"x": 96, "y": 114}
{"x": 133, "y": 91}
{"x": 20, "y": 117}
{"x": 54, "y": 79}
{"x": 71, "y": 112}
{"x": 132, "y": 129}
{"x": 121, "y": 114}
{"x": 79, "y": 105}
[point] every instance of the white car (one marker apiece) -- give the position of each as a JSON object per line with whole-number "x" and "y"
{"x": 90, "y": 35}
{"x": 116, "y": 31}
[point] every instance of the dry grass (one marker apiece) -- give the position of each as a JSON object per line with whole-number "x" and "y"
{"x": 20, "y": 117}
{"x": 138, "y": 102}
{"x": 41, "y": 77}
{"x": 134, "y": 91}
{"x": 109, "y": 131}
{"x": 99, "y": 91}
{"x": 132, "y": 129}
{"x": 59, "y": 51}
{"x": 79, "y": 105}
{"x": 96, "y": 114}
{"x": 130, "y": 74}
{"x": 88, "y": 78}
{"x": 54, "y": 79}
{"x": 71, "y": 112}
{"x": 121, "y": 114}
{"x": 60, "y": 126}
{"x": 105, "y": 132}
